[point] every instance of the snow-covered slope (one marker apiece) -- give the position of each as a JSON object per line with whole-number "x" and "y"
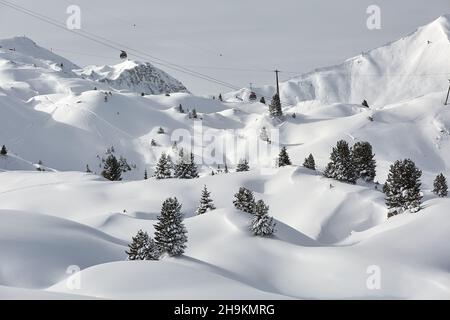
{"x": 321, "y": 249}
{"x": 410, "y": 67}
{"x": 329, "y": 234}
{"x": 135, "y": 76}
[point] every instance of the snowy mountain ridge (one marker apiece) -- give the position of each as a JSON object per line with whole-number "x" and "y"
{"x": 140, "y": 77}
{"x": 55, "y": 120}
{"x": 407, "y": 68}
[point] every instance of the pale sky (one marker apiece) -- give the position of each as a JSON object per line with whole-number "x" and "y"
{"x": 236, "y": 41}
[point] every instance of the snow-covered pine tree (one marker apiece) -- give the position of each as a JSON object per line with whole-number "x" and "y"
{"x": 151, "y": 250}
{"x": 170, "y": 232}
{"x": 365, "y": 104}
{"x": 180, "y": 108}
{"x": 402, "y": 188}
{"x": 440, "y": 186}
{"x": 341, "y": 165}
{"x": 112, "y": 169}
{"x": 206, "y": 203}
{"x": 363, "y": 161}
{"x": 262, "y": 100}
{"x": 153, "y": 143}
{"x": 283, "y": 158}
{"x": 3, "y": 152}
{"x": 193, "y": 170}
{"x": 275, "y": 107}
{"x": 310, "y": 163}
{"x": 145, "y": 174}
{"x": 185, "y": 168}
{"x": 242, "y": 166}
{"x": 244, "y": 200}
{"x": 88, "y": 170}
{"x": 162, "y": 170}
{"x": 220, "y": 97}
{"x": 262, "y": 224}
{"x": 137, "y": 246}
{"x": 263, "y": 135}
{"x": 160, "y": 130}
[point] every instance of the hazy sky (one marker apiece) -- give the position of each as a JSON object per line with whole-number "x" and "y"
{"x": 213, "y": 36}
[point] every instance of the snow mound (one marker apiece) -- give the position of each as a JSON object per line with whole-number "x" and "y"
{"x": 47, "y": 247}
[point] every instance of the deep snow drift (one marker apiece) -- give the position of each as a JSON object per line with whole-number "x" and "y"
{"x": 57, "y": 117}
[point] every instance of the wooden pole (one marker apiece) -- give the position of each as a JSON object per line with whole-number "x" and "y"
{"x": 448, "y": 93}
{"x": 278, "y": 85}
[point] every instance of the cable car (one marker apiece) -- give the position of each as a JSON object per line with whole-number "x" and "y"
{"x": 123, "y": 54}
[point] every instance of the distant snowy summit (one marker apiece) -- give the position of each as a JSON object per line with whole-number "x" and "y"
{"x": 412, "y": 66}
{"x": 141, "y": 77}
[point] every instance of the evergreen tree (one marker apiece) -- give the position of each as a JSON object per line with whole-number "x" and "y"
{"x": 206, "y": 203}
{"x": 220, "y": 97}
{"x": 244, "y": 200}
{"x": 402, "y": 187}
{"x": 160, "y": 130}
{"x": 137, "y": 246}
{"x": 440, "y": 186}
{"x": 112, "y": 169}
{"x": 151, "y": 250}
{"x": 283, "y": 158}
{"x": 3, "y": 152}
{"x": 153, "y": 143}
{"x": 262, "y": 224}
{"x": 180, "y": 108}
{"x": 275, "y": 107}
{"x": 242, "y": 166}
{"x": 88, "y": 170}
{"x": 162, "y": 170}
{"x": 262, "y": 100}
{"x": 170, "y": 232}
{"x": 365, "y": 104}
{"x": 364, "y": 162}
{"x": 145, "y": 174}
{"x": 310, "y": 163}
{"x": 263, "y": 135}
{"x": 185, "y": 168}
{"x": 341, "y": 165}
{"x": 193, "y": 171}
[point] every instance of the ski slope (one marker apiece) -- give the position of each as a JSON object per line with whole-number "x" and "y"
{"x": 329, "y": 234}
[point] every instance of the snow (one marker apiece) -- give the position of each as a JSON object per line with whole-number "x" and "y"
{"x": 134, "y": 76}
{"x": 329, "y": 234}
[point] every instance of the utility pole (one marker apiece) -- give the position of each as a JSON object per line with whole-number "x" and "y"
{"x": 278, "y": 85}
{"x": 448, "y": 93}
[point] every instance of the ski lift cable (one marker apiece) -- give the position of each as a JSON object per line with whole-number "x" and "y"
{"x": 105, "y": 41}
{"x": 166, "y": 63}
{"x": 117, "y": 46}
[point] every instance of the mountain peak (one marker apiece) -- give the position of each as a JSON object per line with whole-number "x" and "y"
{"x": 141, "y": 77}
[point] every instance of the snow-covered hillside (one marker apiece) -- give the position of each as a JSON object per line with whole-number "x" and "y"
{"x": 135, "y": 76}
{"x": 60, "y": 118}
{"x": 408, "y": 68}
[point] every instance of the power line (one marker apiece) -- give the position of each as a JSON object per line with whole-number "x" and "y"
{"x": 117, "y": 46}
